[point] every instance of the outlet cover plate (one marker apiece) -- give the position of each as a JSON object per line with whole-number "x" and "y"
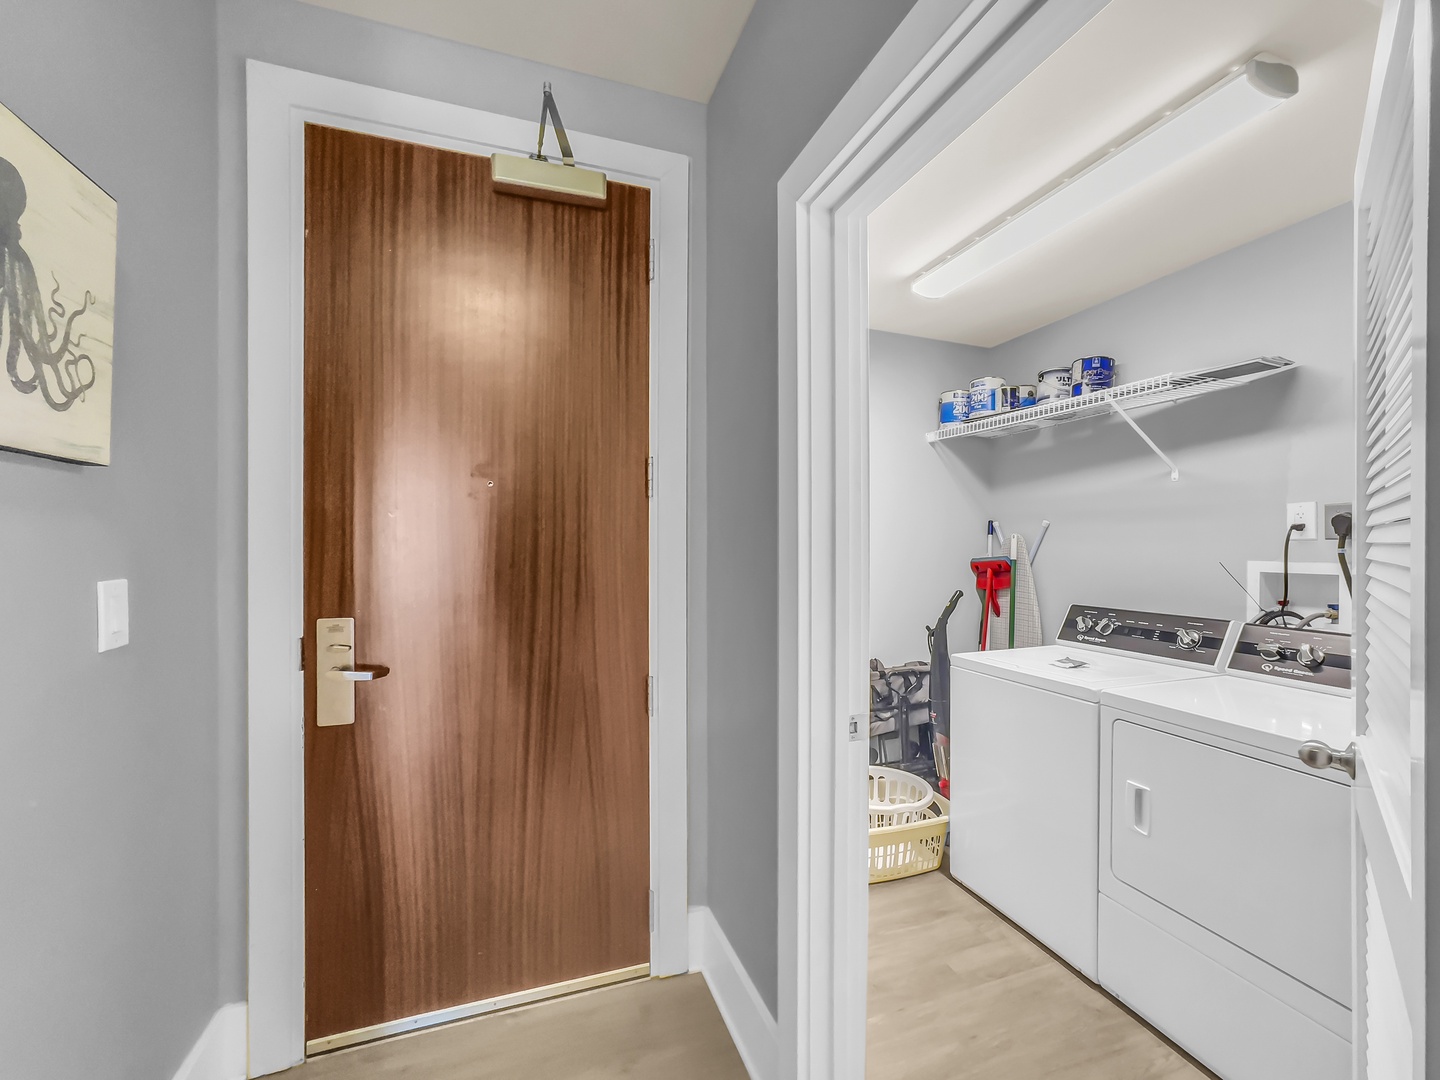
{"x": 1303, "y": 513}
{"x": 1331, "y": 509}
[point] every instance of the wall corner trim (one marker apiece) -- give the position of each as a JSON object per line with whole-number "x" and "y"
{"x": 742, "y": 1008}
{"x": 219, "y": 1053}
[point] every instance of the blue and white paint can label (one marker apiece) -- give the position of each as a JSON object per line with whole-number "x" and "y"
{"x": 1054, "y": 383}
{"x": 954, "y": 406}
{"x": 985, "y": 395}
{"x": 1091, "y": 374}
{"x": 1020, "y": 397}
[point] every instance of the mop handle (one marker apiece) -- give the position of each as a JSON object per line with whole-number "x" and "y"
{"x": 1035, "y": 550}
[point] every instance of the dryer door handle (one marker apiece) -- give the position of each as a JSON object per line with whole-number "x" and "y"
{"x": 1137, "y": 798}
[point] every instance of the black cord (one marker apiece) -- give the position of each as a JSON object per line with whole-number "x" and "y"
{"x": 1343, "y": 524}
{"x": 1282, "y": 606}
{"x": 1285, "y": 599}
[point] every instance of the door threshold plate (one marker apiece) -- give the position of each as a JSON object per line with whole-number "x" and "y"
{"x": 475, "y": 1008}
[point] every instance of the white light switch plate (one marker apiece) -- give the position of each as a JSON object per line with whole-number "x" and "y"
{"x": 114, "y": 604}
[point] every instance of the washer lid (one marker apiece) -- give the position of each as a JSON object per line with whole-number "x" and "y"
{"x": 1270, "y": 716}
{"x": 1077, "y": 673}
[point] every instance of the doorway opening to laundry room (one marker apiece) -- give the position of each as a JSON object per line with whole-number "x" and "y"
{"x": 1113, "y": 450}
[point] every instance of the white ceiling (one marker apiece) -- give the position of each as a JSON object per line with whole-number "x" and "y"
{"x": 675, "y": 48}
{"x": 1132, "y": 60}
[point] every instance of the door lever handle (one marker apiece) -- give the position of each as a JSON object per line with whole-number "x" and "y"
{"x": 1319, "y": 755}
{"x": 369, "y": 673}
{"x": 338, "y": 673}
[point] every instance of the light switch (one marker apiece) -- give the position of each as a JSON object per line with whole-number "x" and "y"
{"x": 114, "y": 598}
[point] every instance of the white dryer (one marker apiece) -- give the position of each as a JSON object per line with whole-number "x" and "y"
{"x": 1025, "y": 762}
{"x": 1225, "y": 865}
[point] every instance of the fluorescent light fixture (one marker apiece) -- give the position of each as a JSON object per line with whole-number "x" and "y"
{"x": 1243, "y": 94}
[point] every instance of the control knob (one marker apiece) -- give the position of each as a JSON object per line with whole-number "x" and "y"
{"x": 1104, "y": 626}
{"x": 1312, "y": 656}
{"x": 1270, "y": 651}
{"x": 1187, "y": 638}
{"x": 1084, "y": 623}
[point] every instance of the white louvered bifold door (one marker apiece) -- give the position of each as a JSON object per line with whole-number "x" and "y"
{"x": 1392, "y": 244}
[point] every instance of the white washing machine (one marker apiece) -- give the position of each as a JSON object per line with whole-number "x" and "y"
{"x": 1225, "y": 865}
{"x": 1025, "y": 762}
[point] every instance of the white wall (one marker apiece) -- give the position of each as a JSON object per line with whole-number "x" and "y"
{"x": 108, "y": 841}
{"x": 793, "y": 63}
{"x": 1122, "y": 532}
{"x": 927, "y": 509}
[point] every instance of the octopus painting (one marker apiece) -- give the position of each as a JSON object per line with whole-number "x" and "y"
{"x": 43, "y": 353}
{"x": 57, "y": 284}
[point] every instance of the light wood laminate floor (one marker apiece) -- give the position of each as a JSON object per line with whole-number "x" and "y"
{"x": 660, "y": 1029}
{"x": 957, "y": 993}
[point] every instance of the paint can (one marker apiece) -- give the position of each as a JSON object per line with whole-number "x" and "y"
{"x": 1020, "y": 397}
{"x": 1091, "y": 374}
{"x": 1054, "y": 383}
{"x": 985, "y": 396}
{"x": 954, "y": 406}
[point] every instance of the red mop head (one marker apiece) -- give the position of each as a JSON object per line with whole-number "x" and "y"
{"x": 992, "y": 576}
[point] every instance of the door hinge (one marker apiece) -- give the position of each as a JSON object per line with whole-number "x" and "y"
{"x": 301, "y": 643}
{"x": 652, "y": 911}
{"x": 653, "y": 245}
{"x": 649, "y": 695}
{"x": 649, "y": 478}
{"x": 854, "y": 727}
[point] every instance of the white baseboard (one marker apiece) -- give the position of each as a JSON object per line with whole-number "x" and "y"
{"x": 219, "y": 1053}
{"x": 741, "y": 1006}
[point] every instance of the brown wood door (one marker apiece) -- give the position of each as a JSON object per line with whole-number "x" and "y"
{"x": 476, "y": 430}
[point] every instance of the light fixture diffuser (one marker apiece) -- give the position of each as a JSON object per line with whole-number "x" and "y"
{"x": 1248, "y": 91}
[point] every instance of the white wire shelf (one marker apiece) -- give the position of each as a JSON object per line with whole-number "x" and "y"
{"x": 1122, "y": 400}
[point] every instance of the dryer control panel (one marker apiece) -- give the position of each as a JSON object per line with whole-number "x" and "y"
{"x": 1317, "y": 659}
{"x": 1182, "y": 638}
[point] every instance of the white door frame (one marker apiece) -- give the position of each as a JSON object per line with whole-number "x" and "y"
{"x": 280, "y": 102}
{"x": 945, "y": 66}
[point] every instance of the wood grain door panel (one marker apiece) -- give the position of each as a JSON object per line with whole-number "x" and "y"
{"x": 477, "y": 424}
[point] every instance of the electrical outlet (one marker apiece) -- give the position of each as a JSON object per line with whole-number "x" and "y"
{"x": 1326, "y": 518}
{"x": 1302, "y": 513}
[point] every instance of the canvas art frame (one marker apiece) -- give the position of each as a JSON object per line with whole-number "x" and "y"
{"x": 58, "y": 233}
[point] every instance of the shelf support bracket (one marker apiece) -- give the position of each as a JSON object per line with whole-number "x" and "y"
{"x": 1174, "y": 469}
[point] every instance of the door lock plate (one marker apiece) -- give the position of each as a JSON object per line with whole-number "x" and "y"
{"x": 334, "y": 651}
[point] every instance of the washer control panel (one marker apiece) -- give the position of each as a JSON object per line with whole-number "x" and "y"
{"x": 1182, "y": 638}
{"x": 1314, "y": 658}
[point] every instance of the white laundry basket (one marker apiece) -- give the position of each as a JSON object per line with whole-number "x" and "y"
{"x": 896, "y": 797}
{"x": 916, "y": 847}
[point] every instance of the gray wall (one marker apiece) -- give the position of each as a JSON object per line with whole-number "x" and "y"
{"x": 108, "y": 762}
{"x": 794, "y": 61}
{"x": 1122, "y": 532}
{"x": 299, "y": 35}
{"x": 928, "y": 505}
